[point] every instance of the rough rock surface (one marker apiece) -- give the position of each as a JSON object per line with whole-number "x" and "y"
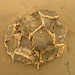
{"x": 36, "y": 38}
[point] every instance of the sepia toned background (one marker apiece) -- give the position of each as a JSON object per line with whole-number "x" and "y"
{"x": 11, "y": 9}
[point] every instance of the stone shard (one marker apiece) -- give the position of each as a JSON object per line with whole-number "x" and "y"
{"x": 30, "y": 23}
{"x": 42, "y": 39}
{"x": 36, "y": 38}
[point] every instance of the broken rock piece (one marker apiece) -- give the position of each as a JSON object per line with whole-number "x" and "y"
{"x": 37, "y": 38}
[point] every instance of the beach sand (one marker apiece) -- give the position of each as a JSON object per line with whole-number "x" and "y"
{"x": 11, "y": 9}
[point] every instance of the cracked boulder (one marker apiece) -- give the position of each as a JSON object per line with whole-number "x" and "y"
{"x": 36, "y": 38}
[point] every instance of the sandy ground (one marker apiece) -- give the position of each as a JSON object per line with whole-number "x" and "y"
{"x": 11, "y": 9}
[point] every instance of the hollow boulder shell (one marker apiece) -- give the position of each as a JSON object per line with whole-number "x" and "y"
{"x": 36, "y": 38}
